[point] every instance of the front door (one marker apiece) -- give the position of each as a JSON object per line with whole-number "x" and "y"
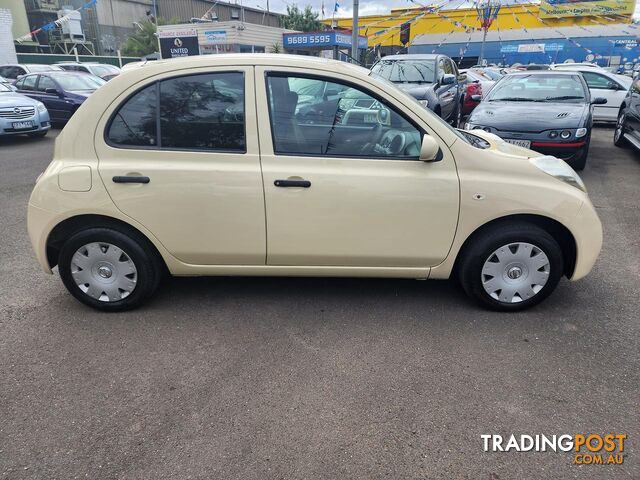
{"x": 60, "y": 110}
{"x": 343, "y": 183}
{"x": 180, "y": 156}
{"x": 602, "y": 86}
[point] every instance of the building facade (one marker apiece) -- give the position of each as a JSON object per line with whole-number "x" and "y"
{"x": 184, "y": 11}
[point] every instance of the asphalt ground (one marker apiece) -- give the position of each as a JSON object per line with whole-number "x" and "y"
{"x": 271, "y": 378}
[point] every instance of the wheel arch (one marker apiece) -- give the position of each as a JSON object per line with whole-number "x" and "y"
{"x": 557, "y": 230}
{"x": 75, "y": 224}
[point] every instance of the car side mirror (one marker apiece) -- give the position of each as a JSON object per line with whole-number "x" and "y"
{"x": 448, "y": 79}
{"x": 476, "y": 97}
{"x": 599, "y": 101}
{"x": 52, "y": 91}
{"x": 430, "y": 150}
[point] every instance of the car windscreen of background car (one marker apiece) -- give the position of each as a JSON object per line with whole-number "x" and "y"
{"x": 78, "y": 82}
{"x": 539, "y": 88}
{"x": 105, "y": 70}
{"x": 406, "y": 71}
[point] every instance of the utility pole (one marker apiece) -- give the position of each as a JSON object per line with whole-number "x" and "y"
{"x": 354, "y": 34}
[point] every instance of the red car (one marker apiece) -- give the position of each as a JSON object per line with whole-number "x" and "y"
{"x": 478, "y": 83}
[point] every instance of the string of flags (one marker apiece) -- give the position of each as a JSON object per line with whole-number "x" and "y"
{"x": 55, "y": 24}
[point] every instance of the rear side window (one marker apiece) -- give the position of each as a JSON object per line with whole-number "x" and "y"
{"x": 135, "y": 123}
{"x": 203, "y": 112}
{"x": 27, "y": 83}
{"x": 195, "y": 112}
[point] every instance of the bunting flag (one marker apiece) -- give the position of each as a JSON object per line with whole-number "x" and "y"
{"x": 336, "y": 7}
{"x": 55, "y": 24}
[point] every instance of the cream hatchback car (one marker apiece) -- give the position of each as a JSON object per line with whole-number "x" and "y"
{"x": 287, "y": 165}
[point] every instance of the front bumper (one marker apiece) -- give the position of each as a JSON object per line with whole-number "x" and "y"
{"x": 40, "y": 122}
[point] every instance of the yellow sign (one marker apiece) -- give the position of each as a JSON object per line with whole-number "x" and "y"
{"x": 585, "y": 8}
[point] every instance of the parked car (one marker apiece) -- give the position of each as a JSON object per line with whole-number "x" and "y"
{"x": 611, "y": 86}
{"x": 13, "y": 71}
{"x": 577, "y": 65}
{"x": 478, "y": 83}
{"x": 628, "y": 124}
{"x": 61, "y": 92}
{"x": 7, "y": 83}
{"x": 431, "y": 79}
{"x": 548, "y": 111}
{"x": 191, "y": 166}
{"x": 102, "y": 70}
{"x": 20, "y": 115}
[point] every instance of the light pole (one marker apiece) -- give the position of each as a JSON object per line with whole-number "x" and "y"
{"x": 354, "y": 33}
{"x": 487, "y": 12}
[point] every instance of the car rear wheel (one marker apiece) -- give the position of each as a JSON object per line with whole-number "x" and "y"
{"x": 511, "y": 267}
{"x": 108, "y": 270}
{"x": 618, "y": 134}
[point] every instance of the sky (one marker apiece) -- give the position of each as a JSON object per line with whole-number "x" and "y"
{"x": 366, "y": 7}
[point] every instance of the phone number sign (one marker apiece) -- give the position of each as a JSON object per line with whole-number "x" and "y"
{"x": 320, "y": 39}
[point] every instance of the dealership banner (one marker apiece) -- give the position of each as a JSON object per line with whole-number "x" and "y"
{"x": 181, "y": 42}
{"x": 571, "y": 8}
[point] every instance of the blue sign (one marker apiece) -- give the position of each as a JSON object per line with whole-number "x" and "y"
{"x": 320, "y": 39}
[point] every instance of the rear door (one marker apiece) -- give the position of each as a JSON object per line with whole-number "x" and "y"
{"x": 633, "y": 109}
{"x": 189, "y": 145}
{"x": 343, "y": 183}
{"x": 59, "y": 108}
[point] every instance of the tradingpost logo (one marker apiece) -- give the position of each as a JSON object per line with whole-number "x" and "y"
{"x": 588, "y": 449}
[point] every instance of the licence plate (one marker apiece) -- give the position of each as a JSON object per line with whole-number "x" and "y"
{"x": 22, "y": 125}
{"x": 520, "y": 143}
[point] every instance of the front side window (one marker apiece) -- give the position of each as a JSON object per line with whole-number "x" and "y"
{"x": 203, "y": 112}
{"x": 135, "y": 122}
{"x": 335, "y": 119}
{"x": 44, "y": 83}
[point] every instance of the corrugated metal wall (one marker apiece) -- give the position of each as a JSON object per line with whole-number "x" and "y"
{"x": 184, "y": 10}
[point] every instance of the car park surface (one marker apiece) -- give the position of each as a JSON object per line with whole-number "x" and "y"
{"x": 246, "y": 378}
{"x": 110, "y": 211}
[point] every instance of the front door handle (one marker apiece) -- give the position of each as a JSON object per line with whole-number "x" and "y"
{"x": 292, "y": 183}
{"x": 130, "y": 179}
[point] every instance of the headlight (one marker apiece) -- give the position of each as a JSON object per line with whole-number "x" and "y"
{"x": 424, "y": 103}
{"x": 41, "y": 107}
{"x": 565, "y": 134}
{"x": 468, "y": 126}
{"x": 559, "y": 169}
{"x": 581, "y": 132}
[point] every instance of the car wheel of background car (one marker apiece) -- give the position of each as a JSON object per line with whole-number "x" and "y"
{"x": 618, "y": 134}
{"x": 38, "y": 134}
{"x": 108, "y": 269}
{"x": 511, "y": 266}
{"x": 457, "y": 116}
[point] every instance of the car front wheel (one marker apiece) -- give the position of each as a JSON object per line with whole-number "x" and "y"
{"x": 108, "y": 269}
{"x": 511, "y": 267}
{"x": 618, "y": 134}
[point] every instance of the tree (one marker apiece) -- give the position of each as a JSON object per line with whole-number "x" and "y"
{"x": 303, "y": 20}
{"x": 276, "y": 48}
{"x": 144, "y": 41}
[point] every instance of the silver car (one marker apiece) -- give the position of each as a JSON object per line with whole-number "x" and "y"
{"x": 21, "y": 115}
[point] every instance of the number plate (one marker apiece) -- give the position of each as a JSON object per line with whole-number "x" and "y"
{"x": 520, "y": 143}
{"x": 22, "y": 125}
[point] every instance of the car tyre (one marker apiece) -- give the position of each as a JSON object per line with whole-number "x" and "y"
{"x": 522, "y": 258}
{"x": 108, "y": 269}
{"x": 457, "y": 116}
{"x": 619, "y": 139}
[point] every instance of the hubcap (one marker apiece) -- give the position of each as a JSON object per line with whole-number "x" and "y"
{"x": 619, "y": 127}
{"x": 515, "y": 272}
{"x": 104, "y": 272}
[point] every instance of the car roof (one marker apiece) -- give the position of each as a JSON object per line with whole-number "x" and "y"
{"x": 413, "y": 56}
{"x": 543, "y": 72}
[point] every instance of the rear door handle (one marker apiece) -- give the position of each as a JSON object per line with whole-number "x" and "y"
{"x": 292, "y": 183}
{"x": 130, "y": 179}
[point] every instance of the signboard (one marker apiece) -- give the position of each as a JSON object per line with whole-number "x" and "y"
{"x": 585, "y": 8}
{"x": 214, "y": 37}
{"x": 178, "y": 43}
{"x": 531, "y": 47}
{"x": 320, "y": 39}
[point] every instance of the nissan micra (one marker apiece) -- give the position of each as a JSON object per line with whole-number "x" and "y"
{"x": 287, "y": 165}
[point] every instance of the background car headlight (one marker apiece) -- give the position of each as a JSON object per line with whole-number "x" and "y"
{"x": 559, "y": 169}
{"x": 41, "y": 107}
{"x": 424, "y": 103}
{"x": 553, "y": 134}
{"x": 565, "y": 134}
{"x": 581, "y": 132}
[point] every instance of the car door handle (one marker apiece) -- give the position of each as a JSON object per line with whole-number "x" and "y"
{"x": 292, "y": 183}
{"x": 130, "y": 179}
